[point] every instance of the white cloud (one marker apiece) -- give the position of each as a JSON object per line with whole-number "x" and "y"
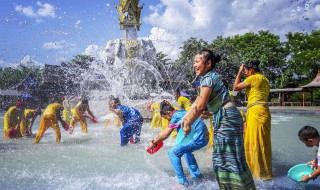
{"x": 55, "y": 45}
{"x": 165, "y": 41}
{"x": 42, "y": 11}
{"x": 28, "y": 11}
{"x": 2, "y": 62}
{"x": 178, "y": 20}
{"x": 46, "y": 10}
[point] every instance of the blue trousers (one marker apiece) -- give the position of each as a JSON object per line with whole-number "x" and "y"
{"x": 175, "y": 154}
{"x": 130, "y": 129}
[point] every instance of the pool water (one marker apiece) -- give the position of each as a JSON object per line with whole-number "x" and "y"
{"x": 96, "y": 161}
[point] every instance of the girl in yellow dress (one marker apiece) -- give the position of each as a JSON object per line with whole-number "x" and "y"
{"x": 257, "y": 137}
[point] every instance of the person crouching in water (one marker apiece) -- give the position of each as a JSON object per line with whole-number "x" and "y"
{"x": 26, "y": 124}
{"x": 50, "y": 118}
{"x": 79, "y": 114}
{"x": 131, "y": 120}
{"x": 196, "y": 140}
{"x": 12, "y": 119}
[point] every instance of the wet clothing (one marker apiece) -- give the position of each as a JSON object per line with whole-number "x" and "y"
{"x": 66, "y": 114}
{"x": 229, "y": 163}
{"x": 184, "y": 103}
{"x": 257, "y": 138}
{"x": 50, "y": 119}
{"x": 132, "y": 124}
{"x": 29, "y": 114}
{"x": 76, "y": 117}
{"x": 197, "y": 139}
{"x": 12, "y": 118}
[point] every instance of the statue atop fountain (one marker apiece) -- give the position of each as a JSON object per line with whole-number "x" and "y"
{"x": 131, "y": 60}
{"x": 129, "y": 18}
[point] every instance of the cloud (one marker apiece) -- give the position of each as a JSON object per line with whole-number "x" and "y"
{"x": 55, "y": 45}
{"x": 28, "y": 11}
{"x": 42, "y": 11}
{"x": 165, "y": 41}
{"x": 203, "y": 19}
{"x": 46, "y": 10}
{"x": 2, "y": 62}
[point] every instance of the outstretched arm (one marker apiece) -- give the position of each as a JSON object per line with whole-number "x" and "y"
{"x": 161, "y": 137}
{"x": 90, "y": 113}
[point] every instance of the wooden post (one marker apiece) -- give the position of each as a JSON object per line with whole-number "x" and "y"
{"x": 303, "y": 99}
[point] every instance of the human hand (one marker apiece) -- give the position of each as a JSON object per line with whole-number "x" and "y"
{"x": 186, "y": 128}
{"x": 313, "y": 164}
{"x": 305, "y": 178}
{"x": 151, "y": 145}
{"x": 241, "y": 68}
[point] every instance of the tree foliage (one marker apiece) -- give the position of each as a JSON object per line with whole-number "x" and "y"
{"x": 304, "y": 58}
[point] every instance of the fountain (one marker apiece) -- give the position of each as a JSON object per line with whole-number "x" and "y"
{"x": 96, "y": 161}
{"x": 129, "y": 66}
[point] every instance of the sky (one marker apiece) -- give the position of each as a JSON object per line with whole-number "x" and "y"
{"x": 53, "y": 31}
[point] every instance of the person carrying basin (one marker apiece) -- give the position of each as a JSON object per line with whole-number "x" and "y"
{"x": 184, "y": 146}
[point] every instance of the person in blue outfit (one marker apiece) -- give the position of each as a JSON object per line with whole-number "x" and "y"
{"x": 131, "y": 121}
{"x": 184, "y": 146}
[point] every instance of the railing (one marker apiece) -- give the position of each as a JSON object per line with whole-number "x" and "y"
{"x": 291, "y": 104}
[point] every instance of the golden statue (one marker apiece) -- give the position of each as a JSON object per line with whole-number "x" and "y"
{"x": 129, "y": 14}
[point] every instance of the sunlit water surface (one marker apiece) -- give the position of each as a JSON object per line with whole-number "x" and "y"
{"x": 96, "y": 161}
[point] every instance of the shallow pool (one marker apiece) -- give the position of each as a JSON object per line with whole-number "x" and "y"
{"x": 96, "y": 161}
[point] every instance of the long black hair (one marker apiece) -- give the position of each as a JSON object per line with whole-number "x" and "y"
{"x": 210, "y": 55}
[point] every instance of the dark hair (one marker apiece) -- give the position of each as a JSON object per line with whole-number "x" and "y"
{"x": 210, "y": 55}
{"x": 177, "y": 91}
{"x": 253, "y": 64}
{"x": 164, "y": 107}
{"x": 116, "y": 100}
{"x": 84, "y": 101}
{"x": 308, "y": 132}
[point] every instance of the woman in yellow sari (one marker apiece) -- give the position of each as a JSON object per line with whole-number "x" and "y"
{"x": 257, "y": 137}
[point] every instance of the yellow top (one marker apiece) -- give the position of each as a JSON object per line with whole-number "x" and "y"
{"x": 52, "y": 109}
{"x": 28, "y": 113}
{"x": 66, "y": 105}
{"x": 184, "y": 103}
{"x": 257, "y": 89}
{"x": 13, "y": 113}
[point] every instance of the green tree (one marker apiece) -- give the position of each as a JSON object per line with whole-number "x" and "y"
{"x": 185, "y": 61}
{"x": 265, "y": 47}
{"x": 83, "y": 61}
{"x": 304, "y": 57}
